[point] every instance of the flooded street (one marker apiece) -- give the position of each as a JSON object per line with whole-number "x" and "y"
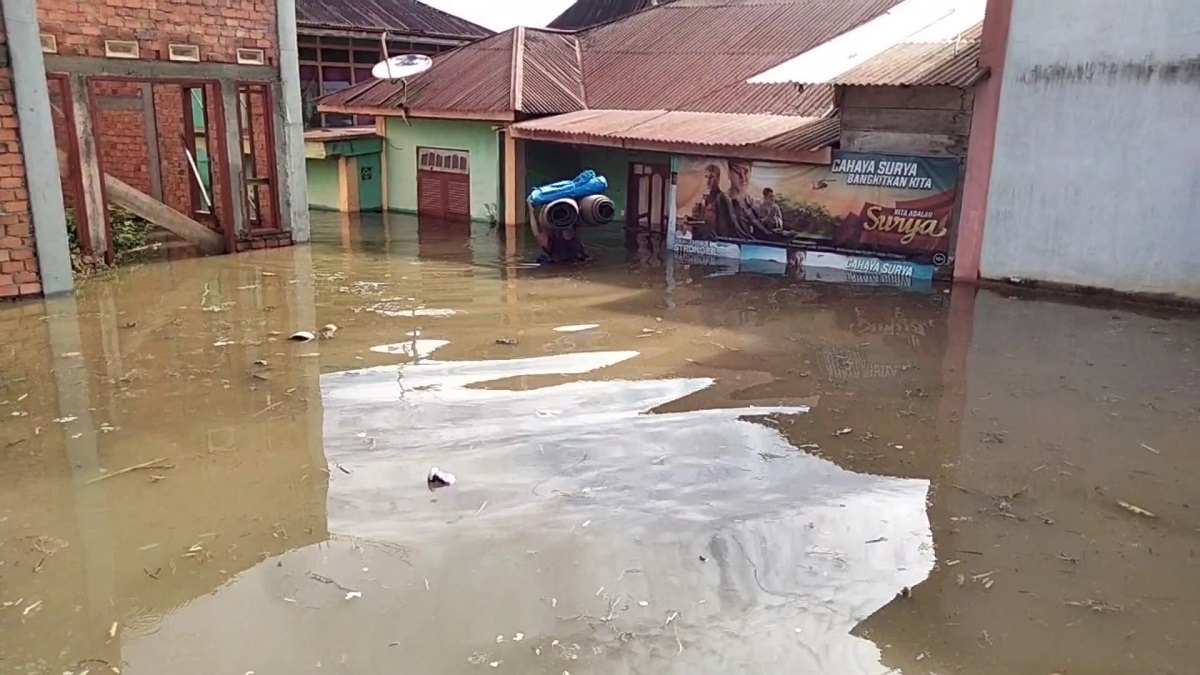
{"x": 661, "y": 471}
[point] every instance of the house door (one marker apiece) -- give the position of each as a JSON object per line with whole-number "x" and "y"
{"x": 646, "y": 207}
{"x": 444, "y": 184}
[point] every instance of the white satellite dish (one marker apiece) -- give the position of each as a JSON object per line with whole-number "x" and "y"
{"x": 401, "y": 67}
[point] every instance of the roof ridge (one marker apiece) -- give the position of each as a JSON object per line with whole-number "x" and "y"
{"x": 582, "y": 77}
{"x": 517, "y": 83}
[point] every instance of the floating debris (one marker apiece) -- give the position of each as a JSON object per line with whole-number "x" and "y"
{"x": 302, "y": 336}
{"x": 1135, "y": 509}
{"x": 512, "y": 342}
{"x": 152, "y": 464}
{"x": 575, "y": 328}
{"x": 328, "y": 331}
{"x": 439, "y": 479}
{"x": 1095, "y": 605}
{"x": 843, "y": 432}
{"x": 350, "y": 595}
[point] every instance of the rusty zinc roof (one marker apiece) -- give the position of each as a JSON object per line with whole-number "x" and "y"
{"x": 587, "y": 13}
{"x": 951, "y": 64}
{"x": 698, "y": 54}
{"x": 527, "y": 70}
{"x": 917, "y": 42}
{"x": 691, "y": 55}
{"x": 716, "y": 133}
{"x": 408, "y": 17}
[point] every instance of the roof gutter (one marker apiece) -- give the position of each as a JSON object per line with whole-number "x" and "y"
{"x": 819, "y": 156}
{"x": 380, "y": 111}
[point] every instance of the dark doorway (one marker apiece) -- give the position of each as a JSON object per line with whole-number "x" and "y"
{"x": 647, "y": 202}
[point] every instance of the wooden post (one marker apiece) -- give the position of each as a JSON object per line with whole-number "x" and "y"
{"x": 234, "y": 149}
{"x": 514, "y": 180}
{"x": 149, "y": 116}
{"x": 381, "y": 131}
{"x": 348, "y": 184}
{"x": 89, "y": 166}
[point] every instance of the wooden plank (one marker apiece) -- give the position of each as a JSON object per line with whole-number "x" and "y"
{"x": 925, "y": 145}
{"x": 89, "y": 165}
{"x": 919, "y": 98}
{"x": 151, "y": 127}
{"x": 141, "y": 204}
{"x": 911, "y": 121}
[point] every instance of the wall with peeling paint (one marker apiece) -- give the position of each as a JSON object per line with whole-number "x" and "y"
{"x": 1096, "y": 174}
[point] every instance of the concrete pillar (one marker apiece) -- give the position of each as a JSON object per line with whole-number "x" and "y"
{"x": 993, "y": 48}
{"x": 290, "y": 122}
{"x": 515, "y": 193}
{"x": 37, "y": 134}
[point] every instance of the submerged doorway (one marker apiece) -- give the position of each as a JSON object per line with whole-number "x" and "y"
{"x": 647, "y": 201}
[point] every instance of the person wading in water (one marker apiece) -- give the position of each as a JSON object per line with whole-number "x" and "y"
{"x": 559, "y": 245}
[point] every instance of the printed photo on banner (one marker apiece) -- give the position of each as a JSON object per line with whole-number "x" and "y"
{"x": 895, "y": 207}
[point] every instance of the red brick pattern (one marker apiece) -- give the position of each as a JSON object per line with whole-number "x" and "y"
{"x": 256, "y": 242}
{"x": 257, "y": 101}
{"x": 218, "y": 27}
{"x": 18, "y": 263}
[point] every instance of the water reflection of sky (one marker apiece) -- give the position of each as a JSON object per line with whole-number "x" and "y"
{"x": 711, "y": 543}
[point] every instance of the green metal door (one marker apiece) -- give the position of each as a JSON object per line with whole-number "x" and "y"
{"x": 370, "y": 182}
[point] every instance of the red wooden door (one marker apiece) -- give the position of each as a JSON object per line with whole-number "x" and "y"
{"x": 443, "y": 184}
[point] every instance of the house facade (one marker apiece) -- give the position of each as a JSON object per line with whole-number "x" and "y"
{"x": 114, "y": 92}
{"x": 532, "y": 106}
{"x": 340, "y": 40}
{"x": 339, "y": 43}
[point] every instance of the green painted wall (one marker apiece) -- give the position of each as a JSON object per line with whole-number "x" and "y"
{"x": 477, "y": 138}
{"x": 322, "y": 184}
{"x": 614, "y": 165}
{"x": 549, "y": 163}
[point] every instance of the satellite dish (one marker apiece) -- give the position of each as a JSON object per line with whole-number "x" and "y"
{"x": 401, "y": 67}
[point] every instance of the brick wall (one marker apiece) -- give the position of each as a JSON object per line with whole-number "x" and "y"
{"x": 18, "y": 264}
{"x": 218, "y": 27}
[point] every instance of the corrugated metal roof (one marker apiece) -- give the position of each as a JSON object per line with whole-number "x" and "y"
{"x": 587, "y": 13}
{"x": 950, "y": 64}
{"x": 894, "y": 48}
{"x": 692, "y": 55}
{"x": 551, "y": 73}
{"x": 398, "y": 16}
{"x": 528, "y": 70}
{"x": 708, "y": 130}
{"x": 697, "y": 54}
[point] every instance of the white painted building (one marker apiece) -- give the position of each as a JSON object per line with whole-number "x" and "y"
{"x": 1095, "y": 178}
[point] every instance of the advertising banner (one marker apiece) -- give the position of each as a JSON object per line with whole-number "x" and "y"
{"x": 887, "y": 206}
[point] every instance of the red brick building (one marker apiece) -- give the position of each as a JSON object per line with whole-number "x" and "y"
{"x": 18, "y": 262}
{"x": 181, "y": 100}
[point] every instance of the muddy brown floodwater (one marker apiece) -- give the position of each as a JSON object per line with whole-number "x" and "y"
{"x": 667, "y": 471}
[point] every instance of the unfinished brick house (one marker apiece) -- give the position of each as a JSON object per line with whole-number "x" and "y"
{"x": 18, "y": 264}
{"x": 173, "y": 110}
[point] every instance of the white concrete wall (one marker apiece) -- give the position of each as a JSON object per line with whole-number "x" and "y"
{"x": 1096, "y": 175}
